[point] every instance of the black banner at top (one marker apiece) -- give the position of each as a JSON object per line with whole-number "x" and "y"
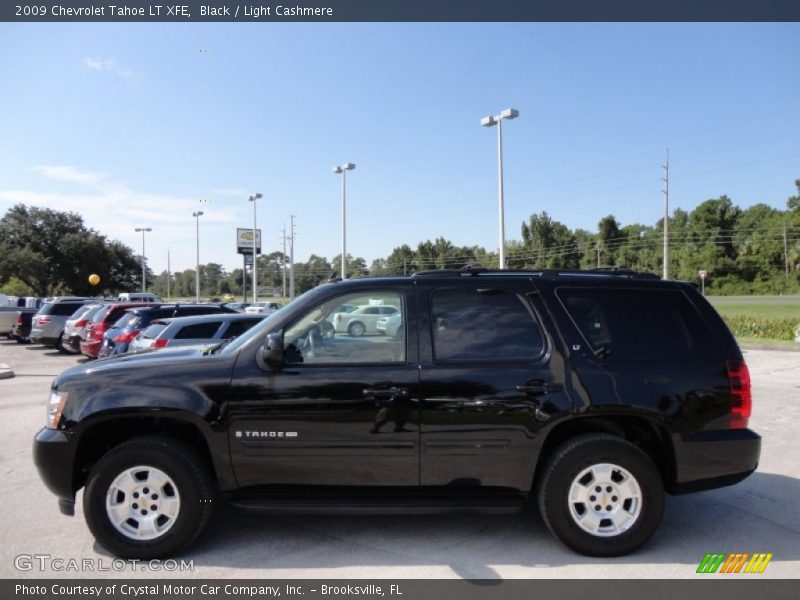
{"x": 398, "y": 10}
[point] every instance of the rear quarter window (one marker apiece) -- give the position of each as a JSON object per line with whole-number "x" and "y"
{"x": 637, "y": 324}
{"x": 199, "y": 331}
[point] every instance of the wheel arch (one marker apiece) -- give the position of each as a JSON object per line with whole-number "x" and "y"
{"x": 648, "y": 434}
{"x": 103, "y": 434}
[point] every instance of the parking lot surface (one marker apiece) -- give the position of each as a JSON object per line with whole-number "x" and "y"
{"x": 761, "y": 514}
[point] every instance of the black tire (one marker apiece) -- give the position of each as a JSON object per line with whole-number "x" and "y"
{"x": 178, "y": 461}
{"x": 356, "y": 329}
{"x": 563, "y": 468}
{"x": 60, "y": 344}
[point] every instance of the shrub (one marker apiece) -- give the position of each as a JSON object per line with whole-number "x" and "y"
{"x": 762, "y": 327}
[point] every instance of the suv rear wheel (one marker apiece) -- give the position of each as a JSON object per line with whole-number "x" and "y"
{"x": 601, "y": 495}
{"x": 356, "y": 329}
{"x": 149, "y": 497}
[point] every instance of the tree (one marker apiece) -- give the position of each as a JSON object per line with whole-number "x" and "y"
{"x": 54, "y": 252}
{"x": 793, "y": 203}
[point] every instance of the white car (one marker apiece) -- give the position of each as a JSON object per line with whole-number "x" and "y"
{"x": 390, "y": 325}
{"x": 362, "y": 320}
{"x": 265, "y": 308}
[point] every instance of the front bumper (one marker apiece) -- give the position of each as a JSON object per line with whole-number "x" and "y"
{"x": 711, "y": 459}
{"x": 54, "y": 457}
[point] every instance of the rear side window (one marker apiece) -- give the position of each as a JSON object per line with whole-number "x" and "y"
{"x": 80, "y": 312}
{"x": 100, "y": 315}
{"x": 196, "y": 310}
{"x": 198, "y": 332}
{"x": 237, "y": 328}
{"x": 484, "y": 324}
{"x": 128, "y": 319}
{"x": 637, "y": 324}
{"x": 59, "y": 309}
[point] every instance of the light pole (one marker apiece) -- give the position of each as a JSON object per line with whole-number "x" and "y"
{"x": 343, "y": 170}
{"x": 490, "y": 121}
{"x": 197, "y": 216}
{"x": 144, "y": 272}
{"x": 253, "y": 199}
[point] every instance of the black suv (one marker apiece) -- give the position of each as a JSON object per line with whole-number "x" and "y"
{"x": 592, "y": 392}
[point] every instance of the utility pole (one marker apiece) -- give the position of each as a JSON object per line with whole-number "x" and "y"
{"x": 291, "y": 257}
{"x": 283, "y": 260}
{"x": 785, "y": 252}
{"x": 597, "y": 248}
{"x": 666, "y": 218}
{"x": 169, "y": 273}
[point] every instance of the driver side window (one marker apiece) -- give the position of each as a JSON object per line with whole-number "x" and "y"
{"x": 362, "y": 328}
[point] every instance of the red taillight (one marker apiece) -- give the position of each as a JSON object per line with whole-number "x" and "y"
{"x": 739, "y": 377}
{"x": 98, "y": 330}
{"x": 43, "y": 320}
{"x": 339, "y": 318}
{"x": 160, "y": 343}
{"x": 20, "y": 320}
{"x": 127, "y": 337}
{"x": 81, "y": 323}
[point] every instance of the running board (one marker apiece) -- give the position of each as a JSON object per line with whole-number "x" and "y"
{"x": 459, "y": 500}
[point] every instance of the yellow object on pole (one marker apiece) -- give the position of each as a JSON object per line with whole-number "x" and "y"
{"x": 94, "y": 279}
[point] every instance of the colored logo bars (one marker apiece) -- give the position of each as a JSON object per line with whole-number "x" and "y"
{"x": 737, "y": 562}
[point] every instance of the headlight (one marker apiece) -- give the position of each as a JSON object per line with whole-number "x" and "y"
{"x": 55, "y": 407}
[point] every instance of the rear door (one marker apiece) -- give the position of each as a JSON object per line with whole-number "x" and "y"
{"x": 491, "y": 377}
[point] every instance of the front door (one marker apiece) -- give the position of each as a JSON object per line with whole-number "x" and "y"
{"x": 344, "y": 410}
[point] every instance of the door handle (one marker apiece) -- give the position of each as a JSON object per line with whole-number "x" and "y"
{"x": 388, "y": 393}
{"x": 537, "y": 386}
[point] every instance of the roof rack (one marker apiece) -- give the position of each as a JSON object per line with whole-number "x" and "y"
{"x": 473, "y": 271}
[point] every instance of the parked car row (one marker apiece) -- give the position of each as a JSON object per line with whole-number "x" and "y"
{"x": 99, "y": 329}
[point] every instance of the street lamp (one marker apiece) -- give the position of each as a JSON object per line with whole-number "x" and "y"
{"x": 343, "y": 170}
{"x": 197, "y": 216}
{"x": 253, "y": 199}
{"x": 490, "y": 121}
{"x": 144, "y": 272}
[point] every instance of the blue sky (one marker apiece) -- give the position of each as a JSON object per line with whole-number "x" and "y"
{"x": 132, "y": 124}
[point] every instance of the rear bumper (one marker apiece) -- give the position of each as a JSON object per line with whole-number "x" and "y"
{"x": 54, "y": 457}
{"x": 44, "y": 340}
{"x": 712, "y": 459}
{"x": 91, "y": 348}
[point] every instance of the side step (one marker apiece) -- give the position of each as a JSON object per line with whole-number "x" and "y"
{"x": 379, "y": 502}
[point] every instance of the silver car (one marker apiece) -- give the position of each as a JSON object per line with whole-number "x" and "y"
{"x": 391, "y": 326}
{"x": 48, "y": 324}
{"x": 191, "y": 331}
{"x": 76, "y": 326}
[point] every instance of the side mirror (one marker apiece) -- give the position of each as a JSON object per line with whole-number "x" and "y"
{"x": 271, "y": 353}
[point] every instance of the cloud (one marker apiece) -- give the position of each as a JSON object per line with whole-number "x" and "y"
{"x": 71, "y": 174}
{"x": 111, "y": 65}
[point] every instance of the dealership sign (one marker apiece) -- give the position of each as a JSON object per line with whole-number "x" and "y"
{"x": 244, "y": 241}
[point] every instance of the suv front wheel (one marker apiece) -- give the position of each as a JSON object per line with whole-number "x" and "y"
{"x": 601, "y": 495}
{"x": 148, "y": 498}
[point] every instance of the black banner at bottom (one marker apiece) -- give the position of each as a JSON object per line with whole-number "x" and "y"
{"x": 398, "y": 589}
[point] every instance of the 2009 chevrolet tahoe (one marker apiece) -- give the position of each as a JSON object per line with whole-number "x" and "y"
{"x": 592, "y": 392}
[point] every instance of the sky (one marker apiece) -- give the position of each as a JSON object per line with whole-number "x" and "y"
{"x": 139, "y": 125}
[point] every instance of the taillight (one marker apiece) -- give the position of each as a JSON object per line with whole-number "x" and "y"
{"x": 742, "y": 406}
{"x": 160, "y": 343}
{"x": 98, "y": 330}
{"x": 81, "y": 323}
{"x": 20, "y": 320}
{"x": 128, "y": 337}
{"x": 43, "y": 320}
{"x": 339, "y": 318}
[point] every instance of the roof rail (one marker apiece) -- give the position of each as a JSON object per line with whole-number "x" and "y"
{"x": 471, "y": 271}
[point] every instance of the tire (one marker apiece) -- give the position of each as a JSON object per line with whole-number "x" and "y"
{"x": 60, "y": 344}
{"x": 629, "y": 514}
{"x": 356, "y": 329}
{"x": 187, "y": 495}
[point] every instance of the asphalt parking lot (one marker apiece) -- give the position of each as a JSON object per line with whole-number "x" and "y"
{"x": 762, "y": 514}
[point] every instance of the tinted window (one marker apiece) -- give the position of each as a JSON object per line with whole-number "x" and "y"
{"x": 483, "y": 324}
{"x": 198, "y": 332}
{"x": 83, "y": 310}
{"x": 60, "y": 309}
{"x": 636, "y": 324}
{"x": 196, "y": 310}
{"x": 128, "y": 319}
{"x": 237, "y": 328}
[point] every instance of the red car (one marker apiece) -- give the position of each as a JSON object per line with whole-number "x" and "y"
{"x": 92, "y": 338}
